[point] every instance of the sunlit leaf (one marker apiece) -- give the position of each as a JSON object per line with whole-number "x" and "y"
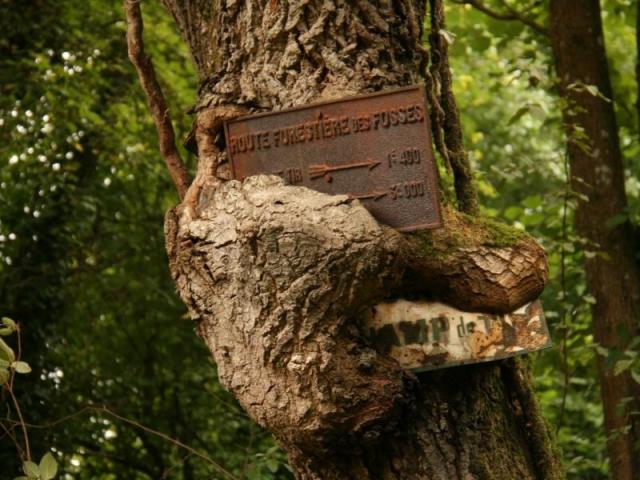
{"x": 48, "y": 467}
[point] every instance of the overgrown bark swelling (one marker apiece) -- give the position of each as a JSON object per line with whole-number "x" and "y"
{"x": 597, "y": 173}
{"x": 277, "y": 277}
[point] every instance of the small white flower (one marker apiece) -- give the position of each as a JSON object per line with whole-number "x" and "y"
{"x": 1, "y": 122}
{"x": 13, "y": 160}
{"x": 53, "y": 188}
{"x": 7, "y": 260}
{"x": 36, "y": 213}
{"x": 12, "y": 236}
{"x": 66, "y": 55}
{"x": 50, "y": 52}
{"x": 14, "y": 113}
{"x": 42, "y": 158}
{"x": 23, "y": 156}
{"x": 77, "y": 68}
{"x": 28, "y": 113}
{"x": 41, "y": 193}
{"x": 35, "y": 238}
{"x": 45, "y": 118}
{"x": 56, "y": 166}
{"x": 26, "y": 209}
{"x": 2, "y": 238}
{"x": 106, "y": 182}
{"x": 68, "y": 155}
{"x": 30, "y": 150}
{"x": 96, "y": 53}
{"x": 21, "y": 130}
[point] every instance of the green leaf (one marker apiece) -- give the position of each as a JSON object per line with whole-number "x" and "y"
{"x": 513, "y": 213}
{"x": 272, "y": 465}
{"x": 4, "y": 376}
{"x": 31, "y": 469}
{"x": 448, "y": 36}
{"x": 21, "y": 367}
{"x": 6, "y": 352}
{"x": 9, "y": 323}
{"x": 5, "y": 332}
{"x": 621, "y": 366}
{"x": 592, "y": 89}
{"x": 518, "y": 115}
{"x": 48, "y": 467}
{"x": 21, "y": 477}
{"x": 636, "y": 376}
{"x": 617, "y": 219}
{"x": 602, "y": 350}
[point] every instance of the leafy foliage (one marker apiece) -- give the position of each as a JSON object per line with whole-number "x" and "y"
{"x": 82, "y": 261}
{"x": 511, "y": 114}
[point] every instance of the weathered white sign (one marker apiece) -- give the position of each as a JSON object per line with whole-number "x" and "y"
{"x": 430, "y": 335}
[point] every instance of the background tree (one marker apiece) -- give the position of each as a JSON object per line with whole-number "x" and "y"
{"x": 603, "y": 219}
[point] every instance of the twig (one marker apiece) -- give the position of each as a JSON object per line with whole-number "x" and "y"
{"x": 563, "y": 287}
{"x": 511, "y": 15}
{"x": 23, "y": 425}
{"x": 16, "y": 404}
{"x": 157, "y": 104}
{"x": 211, "y": 461}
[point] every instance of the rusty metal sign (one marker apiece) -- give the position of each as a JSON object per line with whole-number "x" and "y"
{"x": 429, "y": 335}
{"x": 376, "y": 148}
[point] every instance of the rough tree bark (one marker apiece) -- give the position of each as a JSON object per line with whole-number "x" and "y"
{"x": 597, "y": 174}
{"x": 277, "y": 277}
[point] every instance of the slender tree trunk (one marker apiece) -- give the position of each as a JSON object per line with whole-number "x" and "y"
{"x": 597, "y": 175}
{"x": 277, "y": 277}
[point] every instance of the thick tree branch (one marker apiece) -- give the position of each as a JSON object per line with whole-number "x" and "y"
{"x": 157, "y": 104}
{"x": 510, "y": 15}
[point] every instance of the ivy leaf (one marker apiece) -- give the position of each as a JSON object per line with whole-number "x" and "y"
{"x": 48, "y": 467}
{"x": 21, "y": 367}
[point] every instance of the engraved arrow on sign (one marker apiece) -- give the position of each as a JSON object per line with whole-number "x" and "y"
{"x": 373, "y": 195}
{"x": 320, "y": 170}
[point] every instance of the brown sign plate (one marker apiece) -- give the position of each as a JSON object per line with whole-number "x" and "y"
{"x": 376, "y": 148}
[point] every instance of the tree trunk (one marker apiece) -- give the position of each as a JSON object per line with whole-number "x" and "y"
{"x": 278, "y": 277}
{"x": 597, "y": 175}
